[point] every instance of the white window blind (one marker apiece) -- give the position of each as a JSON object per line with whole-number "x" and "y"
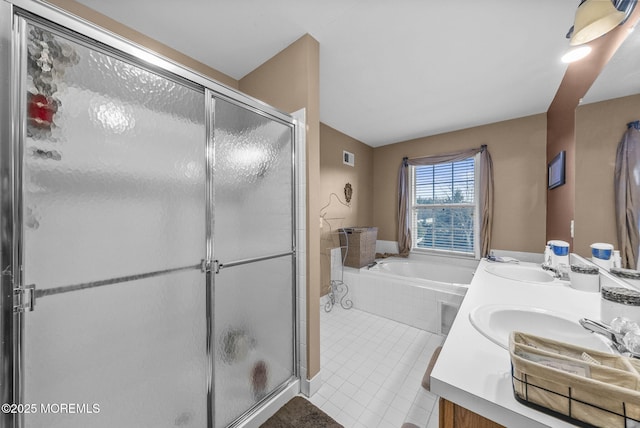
{"x": 444, "y": 207}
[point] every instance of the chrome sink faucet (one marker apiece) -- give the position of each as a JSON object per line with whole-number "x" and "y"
{"x": 560, "y": 272}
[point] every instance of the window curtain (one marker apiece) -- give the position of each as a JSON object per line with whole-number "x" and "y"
{"x": 485, "y": 197}
{"x": 627, "y": 194}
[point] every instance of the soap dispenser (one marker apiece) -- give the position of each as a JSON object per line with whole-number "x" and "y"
{"x": 559, "y": 253}
{"x": 602, "y": 254}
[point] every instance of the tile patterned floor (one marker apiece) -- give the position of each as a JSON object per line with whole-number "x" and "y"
{"x": 372, "y": 368}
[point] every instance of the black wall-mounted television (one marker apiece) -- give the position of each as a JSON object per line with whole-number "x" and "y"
{"x": 556, "y": 171}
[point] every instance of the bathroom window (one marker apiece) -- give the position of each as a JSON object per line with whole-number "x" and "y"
{"x": 445, "y": 214}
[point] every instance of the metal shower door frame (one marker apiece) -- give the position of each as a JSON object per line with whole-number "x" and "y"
{"x": 8, "y": 248}
{"x": 11, "y": 142}
{"x": 214, "y": 265}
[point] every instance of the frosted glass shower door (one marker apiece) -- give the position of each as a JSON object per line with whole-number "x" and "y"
{"x": 113, "y": 225}
{"x": 253, "y": 248}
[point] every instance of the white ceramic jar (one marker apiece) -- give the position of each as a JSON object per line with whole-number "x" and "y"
{"x": 585, "y": 278}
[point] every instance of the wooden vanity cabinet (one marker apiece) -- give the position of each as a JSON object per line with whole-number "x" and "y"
{"x": 454, "y": 416}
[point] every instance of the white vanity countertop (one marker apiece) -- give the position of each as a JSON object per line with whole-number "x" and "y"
{"x": 475, "y": 373}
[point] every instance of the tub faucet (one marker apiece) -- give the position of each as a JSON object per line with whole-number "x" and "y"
{"x": 372, "y": 264}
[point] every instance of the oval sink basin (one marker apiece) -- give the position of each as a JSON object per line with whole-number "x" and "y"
{"x": 531, "y": 274}
{"x": 496, "y": 322}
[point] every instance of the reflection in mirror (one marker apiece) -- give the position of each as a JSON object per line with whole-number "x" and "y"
{"x": 601, "y": 121}
{"x": 621, "y": 76}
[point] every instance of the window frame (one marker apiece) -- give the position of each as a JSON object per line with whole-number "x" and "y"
{"x": 476, "y": 212}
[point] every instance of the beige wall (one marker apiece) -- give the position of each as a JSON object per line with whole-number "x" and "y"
{"x": 518, "y": 150}
{"x": 333, "y": 177}
{"x": 599, "y": 129}
{"x": 290, "y": 81}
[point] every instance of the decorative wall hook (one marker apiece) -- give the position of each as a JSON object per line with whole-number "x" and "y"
{"x": 348, "y": 191}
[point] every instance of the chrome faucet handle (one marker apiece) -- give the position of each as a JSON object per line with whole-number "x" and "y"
{"x": 600, "y": 328}
{"x": 614, "y": 337}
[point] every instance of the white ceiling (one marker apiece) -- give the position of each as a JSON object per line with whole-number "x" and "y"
{"x": 389, "y": 70}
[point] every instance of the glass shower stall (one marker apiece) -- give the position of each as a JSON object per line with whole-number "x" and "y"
{"x": 148, "y": 236}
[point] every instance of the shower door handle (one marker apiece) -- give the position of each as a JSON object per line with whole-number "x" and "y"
{"x": 217, "y": 266}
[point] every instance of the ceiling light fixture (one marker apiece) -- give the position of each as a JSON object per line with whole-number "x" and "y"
{"x": 595, "y": 18}
{"x": 576, "y": 54}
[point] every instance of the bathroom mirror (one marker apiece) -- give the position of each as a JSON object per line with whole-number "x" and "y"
{"x": 621, "y": 76}
{"x": 612, "y": 101}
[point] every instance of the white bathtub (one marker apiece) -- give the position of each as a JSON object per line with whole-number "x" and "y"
{"x": 442, "y": 270}
{"x": 422, "y": 291}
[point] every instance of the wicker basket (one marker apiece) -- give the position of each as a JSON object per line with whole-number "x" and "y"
{"x": 359, "y": 245}
{"x": 582, "y": 386}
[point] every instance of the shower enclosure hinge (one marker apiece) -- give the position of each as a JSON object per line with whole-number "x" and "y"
{"x": 26, "y": 298}
{"x": 210, "y": 266}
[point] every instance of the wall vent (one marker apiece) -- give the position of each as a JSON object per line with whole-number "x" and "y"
{"x": 348, "y": 158}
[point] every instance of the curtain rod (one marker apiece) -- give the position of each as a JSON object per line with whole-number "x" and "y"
{"x": 482, "y": 149}
{"x": 635, "y": 124}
